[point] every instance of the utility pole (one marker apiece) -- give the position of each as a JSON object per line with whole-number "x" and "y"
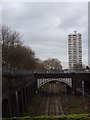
{"x": 66, "y": 93}
{"x": 83, "y": 92}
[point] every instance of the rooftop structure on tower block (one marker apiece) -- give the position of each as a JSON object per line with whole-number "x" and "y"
{"x": 74, "y": 49}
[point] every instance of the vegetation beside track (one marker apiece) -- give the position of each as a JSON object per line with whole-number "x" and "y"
{"x": 74, "y": 102}
{"x": 32, "y": 108}
{"x": 72, "y": 106}
{"x": 61, "y": 117}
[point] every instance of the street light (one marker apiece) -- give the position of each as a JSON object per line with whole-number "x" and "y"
{"x": 83, "y": 91}
{"x": 66, "y": 93}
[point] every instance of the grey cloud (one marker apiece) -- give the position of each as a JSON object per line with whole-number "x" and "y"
{"x": 45, "y": 26}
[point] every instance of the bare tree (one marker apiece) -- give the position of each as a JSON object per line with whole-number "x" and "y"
{"x": 5, "y": 35}
{"x": 14, "y": 54}
{"x": 9, "y": 40}
{"x": 52, "y": 64}
{"x": 78, "y": 66}
{"x": 39, "y": 66}
{"x": 8, "y": 37}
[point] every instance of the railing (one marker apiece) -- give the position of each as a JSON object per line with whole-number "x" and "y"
{"x": 63, "y": 72}
{"x": 16, "y": 72}
{"x": 67, "y": 81}
{"x": 12, "y": 78}
{"x": 29, "y": 72}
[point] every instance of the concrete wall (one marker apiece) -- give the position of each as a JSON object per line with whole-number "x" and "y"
{"x": 18, "y": 91}
{"x": 77, "y": 80}
{"x": 16, "y": 98}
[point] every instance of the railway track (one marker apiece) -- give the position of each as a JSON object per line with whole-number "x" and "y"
{"x": 42, "y": 106}
{"x": 61, "y": 111}
{"x": 65, "y": 107}
{"x": 57, "y": 105}
{"x": 53, "y": 103}
{"x": 47, "y": 102}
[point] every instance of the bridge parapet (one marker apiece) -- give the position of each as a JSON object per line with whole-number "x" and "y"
{"x": 12, "y": 80}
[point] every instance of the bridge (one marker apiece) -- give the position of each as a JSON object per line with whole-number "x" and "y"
{"x": 72, "y": 79}
{"x": 67, "y": 81}
{"x": 43, "y": 78}
{"x": 19, "y": 87}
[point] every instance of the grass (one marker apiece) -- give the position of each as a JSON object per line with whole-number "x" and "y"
{"x": 74, "y": 103}
{"x": 32, "y": 108}
{"x": 61, "y": 117}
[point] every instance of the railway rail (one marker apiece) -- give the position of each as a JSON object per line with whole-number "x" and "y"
{"x": 53, "y": 103}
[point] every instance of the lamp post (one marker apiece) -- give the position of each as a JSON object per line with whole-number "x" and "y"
{"x": 66, "y": 93}
{"x": 83, "y": 92}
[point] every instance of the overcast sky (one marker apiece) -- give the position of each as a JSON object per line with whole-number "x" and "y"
{"x": 45, "y": 26}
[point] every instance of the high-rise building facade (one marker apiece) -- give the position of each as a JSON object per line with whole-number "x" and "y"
{"x": 74, "y": 49}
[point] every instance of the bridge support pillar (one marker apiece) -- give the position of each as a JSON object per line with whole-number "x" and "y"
{"x": 24, "y": 98}
{"x": 74, "y": 83}
{"x": 88, "y": 105}
{"x": 20, "y": 103}
{"x": 27, "y": 93}
{"x": 6, "y": 108}
{"x": 69, "y": 90}
{"x": 26, "y": 101}
{"x": 17, "y": 104}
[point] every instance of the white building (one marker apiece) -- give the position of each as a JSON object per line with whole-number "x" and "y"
{"x": 74, "y": 49}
